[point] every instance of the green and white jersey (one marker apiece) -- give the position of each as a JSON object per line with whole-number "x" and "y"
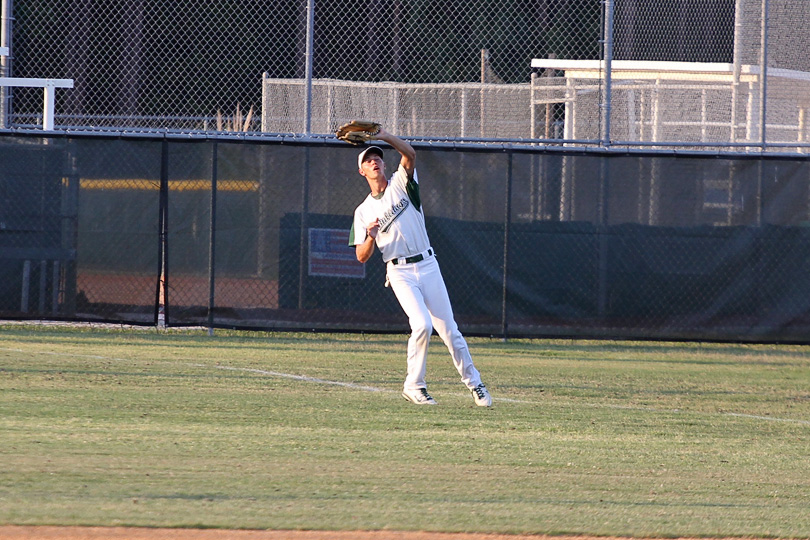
{"x": 402, "y": 230}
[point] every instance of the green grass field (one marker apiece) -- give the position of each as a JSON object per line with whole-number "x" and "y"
{"x": 308, "y": 431}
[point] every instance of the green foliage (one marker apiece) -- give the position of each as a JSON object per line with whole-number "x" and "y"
{"x": 288, "y": 431}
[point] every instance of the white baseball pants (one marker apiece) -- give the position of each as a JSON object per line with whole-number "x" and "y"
{"x": 421, "y": 292}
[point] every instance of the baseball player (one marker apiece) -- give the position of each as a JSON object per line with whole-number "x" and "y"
{"x": 391, "y": 218}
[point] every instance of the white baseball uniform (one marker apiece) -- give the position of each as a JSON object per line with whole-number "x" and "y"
{"x": 414, "y": 275}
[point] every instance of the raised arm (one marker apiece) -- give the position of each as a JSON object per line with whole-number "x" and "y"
{"x": 407, "y": 152}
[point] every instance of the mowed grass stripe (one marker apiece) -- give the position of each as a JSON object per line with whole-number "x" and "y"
{"x": 179, "y": 429}
{"x": 365, "y": 388}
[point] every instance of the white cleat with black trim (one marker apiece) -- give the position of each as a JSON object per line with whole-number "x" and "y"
{"x": 420, "y": 397}
{"x": 481, "y": 396}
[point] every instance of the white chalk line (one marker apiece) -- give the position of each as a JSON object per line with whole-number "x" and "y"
{"x": 366, "y": 388}
{"x": 303, "y": 378}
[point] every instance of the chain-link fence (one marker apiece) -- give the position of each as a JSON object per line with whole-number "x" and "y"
{"x": 732, "y": 74}
{"x": 188, "y": 174}
{"x": 254, "y": 234}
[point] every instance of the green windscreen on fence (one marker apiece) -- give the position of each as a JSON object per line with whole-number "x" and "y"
{"x": 531, "y": 242}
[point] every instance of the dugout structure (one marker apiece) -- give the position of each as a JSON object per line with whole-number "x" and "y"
{"x": 689, "y": 104}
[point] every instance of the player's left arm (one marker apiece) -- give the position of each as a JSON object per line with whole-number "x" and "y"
{"x": 408, "y": 161}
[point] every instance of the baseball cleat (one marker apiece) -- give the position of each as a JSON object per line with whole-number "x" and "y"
{"x": 481, "y": 396}
{"x": 420, "y": 397}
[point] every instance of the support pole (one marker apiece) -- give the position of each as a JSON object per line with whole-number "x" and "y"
{"x": 506, "y": 234}
{"x": 549, "y": 132}
{"x": 603, "y": 238}
{"x": 482, "y": 104}
{"x": 55, "y": 287}
{"x": 212, "y": 239}
{"x": 6, "y": 34}
{"x": 43, "y": 285}
{"x": 303, "y": 239}
{"x": 735, "y": 83}
{"x": 763, "y": 76}
{"x": 162, "y": 288}
{"x": 608, "y": 63}
{"x": 26, "y": 286}
{"x": 48, "y": 108}
{"x": 309, "y": 52}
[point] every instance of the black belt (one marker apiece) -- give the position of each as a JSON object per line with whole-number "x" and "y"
{"x": 414, "y": 259}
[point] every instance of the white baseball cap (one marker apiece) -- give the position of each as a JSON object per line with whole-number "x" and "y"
{"x": 372, "y": 149}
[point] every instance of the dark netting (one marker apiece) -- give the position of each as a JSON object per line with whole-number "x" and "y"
{"x": 118, "y": 229}
{"x": 244, "y": 234}
{"x": 37, "y": 213}
{"x": 188, "y": 217}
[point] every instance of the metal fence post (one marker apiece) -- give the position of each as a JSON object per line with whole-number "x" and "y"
{"x": 303, "y": 239}
{"x": 737, "y": 66}
{"x": 608, "y": 66}
{"x": 70, "y": 229}
{"x": 162, "y": 288}
{"x": 26, "y": 286}
{"x": 763, "y": 75}
{"x": 6, "y": 37}
{"x": 603, "y": 237}
{"x": 310, "y": 41}
{"x": 212, "y": 236}
{"x": 43, "y": 285}
{"x": 55, "y": 280}
{"x": 506, "y": 231}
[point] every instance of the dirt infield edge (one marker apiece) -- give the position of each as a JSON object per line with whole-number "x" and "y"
{"x": 18, "y": 532}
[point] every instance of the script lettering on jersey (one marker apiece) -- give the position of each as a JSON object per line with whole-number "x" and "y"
{"x": 393, "y": 213}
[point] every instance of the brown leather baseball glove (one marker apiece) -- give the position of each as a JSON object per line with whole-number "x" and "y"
{"x": 358, "y": 132}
